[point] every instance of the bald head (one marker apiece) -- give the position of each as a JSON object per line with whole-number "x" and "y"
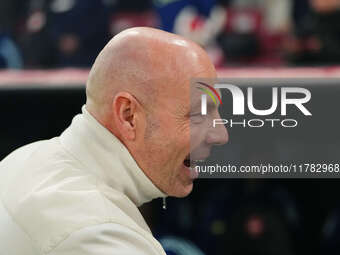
{"x": 142, "y": 61}
{"x": 139, "y": 89}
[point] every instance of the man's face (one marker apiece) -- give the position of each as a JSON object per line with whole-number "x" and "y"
{"x": 180, "y": 135}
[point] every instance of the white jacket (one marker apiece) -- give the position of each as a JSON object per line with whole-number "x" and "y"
{"x": 76, "y": 194}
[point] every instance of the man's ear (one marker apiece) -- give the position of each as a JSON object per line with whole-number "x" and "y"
{"x": 125, "y": 114}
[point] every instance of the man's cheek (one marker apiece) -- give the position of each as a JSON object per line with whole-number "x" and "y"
{"x": 197, "y": 138}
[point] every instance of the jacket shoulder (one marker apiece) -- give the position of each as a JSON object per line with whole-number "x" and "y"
{"x": 108, "y": 238}
{"x": 49, "y": 195}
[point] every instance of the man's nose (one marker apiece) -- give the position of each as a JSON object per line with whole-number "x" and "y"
{"x": 217, "y": 135}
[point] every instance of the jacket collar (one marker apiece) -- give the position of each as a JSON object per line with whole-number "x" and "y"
{"x": 105, "y": 156}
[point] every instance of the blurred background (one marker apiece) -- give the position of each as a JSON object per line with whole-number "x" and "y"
{"x": 48, "y": 46}
{"x": 69, "y": 33}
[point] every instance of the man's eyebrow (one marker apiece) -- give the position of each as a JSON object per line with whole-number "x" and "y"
{"x": 212, "y": 106}
{"x": 197, "y": 106}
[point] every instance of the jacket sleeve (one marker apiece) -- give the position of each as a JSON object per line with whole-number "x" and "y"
{"x": 106, "y": 239}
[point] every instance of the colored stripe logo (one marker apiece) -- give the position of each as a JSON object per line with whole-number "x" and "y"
{"x": 210, "y": 91}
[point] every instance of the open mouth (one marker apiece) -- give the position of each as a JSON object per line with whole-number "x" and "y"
{"x": 191, "y": 162}
{"x": 186, "y": 161}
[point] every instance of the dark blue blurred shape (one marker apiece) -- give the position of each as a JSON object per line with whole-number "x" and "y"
{"x": 168, "y": 10}
{"x": 9, "y": 53}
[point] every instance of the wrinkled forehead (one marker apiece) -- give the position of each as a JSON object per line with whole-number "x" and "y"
{"x": 176, "y": 87}
{"x": 184, "y": 96}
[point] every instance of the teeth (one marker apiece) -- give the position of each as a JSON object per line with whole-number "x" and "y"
{"x": 197, "y": 161}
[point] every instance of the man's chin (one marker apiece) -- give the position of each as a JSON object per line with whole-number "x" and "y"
{"x": 183, "y": 191}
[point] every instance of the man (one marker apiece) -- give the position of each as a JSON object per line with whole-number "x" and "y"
{"x": 79, "y": 193}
